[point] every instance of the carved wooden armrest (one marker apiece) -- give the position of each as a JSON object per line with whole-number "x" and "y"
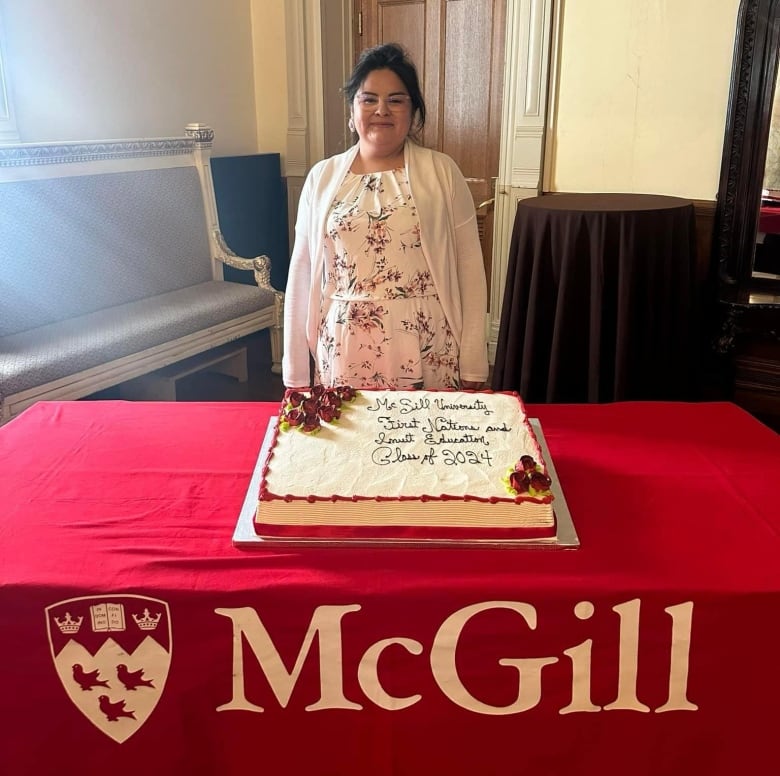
{"x": 260, "y": 265}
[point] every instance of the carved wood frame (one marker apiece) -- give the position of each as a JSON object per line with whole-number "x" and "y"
{"x": 753, "y": 76}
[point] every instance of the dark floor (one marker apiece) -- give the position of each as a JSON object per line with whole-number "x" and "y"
{"x": 263, "y": 385}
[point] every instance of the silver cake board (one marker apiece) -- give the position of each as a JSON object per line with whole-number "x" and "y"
{"x": 245, "y": 538}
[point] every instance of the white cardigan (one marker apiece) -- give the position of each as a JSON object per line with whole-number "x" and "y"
{"x": 450, "y": 244}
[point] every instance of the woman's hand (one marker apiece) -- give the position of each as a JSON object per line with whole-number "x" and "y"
{"x": 471, "y": 385}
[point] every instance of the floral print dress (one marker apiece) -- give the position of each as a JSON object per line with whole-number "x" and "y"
{"x": 381, "y": 323}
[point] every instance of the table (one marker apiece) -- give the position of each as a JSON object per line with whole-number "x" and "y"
{"x": 600, "y": 300}
{"x": 767, "y": 256}
{"x": 769, "y": 220}
{"x": 649, "y": 650}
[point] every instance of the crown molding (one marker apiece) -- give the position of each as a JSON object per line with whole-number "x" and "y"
{"x": 30, "y": 154}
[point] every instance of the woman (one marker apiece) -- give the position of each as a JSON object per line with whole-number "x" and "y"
{"x": 386, "y": 287}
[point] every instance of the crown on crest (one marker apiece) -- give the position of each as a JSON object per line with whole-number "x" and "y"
{"x": 147, "y": 622}
{"x": 68, "y": 624}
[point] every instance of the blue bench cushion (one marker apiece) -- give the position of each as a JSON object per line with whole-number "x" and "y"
{"x": 73, "y": 245}
{"x": 47, "y": 353}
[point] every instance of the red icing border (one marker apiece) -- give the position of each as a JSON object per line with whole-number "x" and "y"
{"x": 399, "y": 532}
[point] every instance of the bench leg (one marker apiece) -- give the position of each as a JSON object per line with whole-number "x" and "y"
{"x": 229, "y": 359}
{"x": 235, "y": 366}
{"x": 276, "y": 349}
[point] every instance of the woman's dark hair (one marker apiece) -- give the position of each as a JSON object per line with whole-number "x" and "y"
{"x": 389, "y": 56}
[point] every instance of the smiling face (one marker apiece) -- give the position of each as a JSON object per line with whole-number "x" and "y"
{"x": 382, "y": 114}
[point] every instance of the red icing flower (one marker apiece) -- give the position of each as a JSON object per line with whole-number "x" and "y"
{"x": 331, "y": 398}
{"x": 526, "y": 463}
{"x": 294, "y": 417}
{"x": 540, "y": 482}
{"x": 305, "y": 411}
{"x": 346, "y": 392}
{"x": 519, "y": 481}
{"x": 295, "y": 398}
{"x": 329, "y": 413}
{"x": 310, "y": 423}
{"x": 310, "y": 405}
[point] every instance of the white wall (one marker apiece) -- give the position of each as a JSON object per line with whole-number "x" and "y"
{"x": 642, "y": 96}
{"x": 99, "y": 69}
{"x": 270, "y": 75}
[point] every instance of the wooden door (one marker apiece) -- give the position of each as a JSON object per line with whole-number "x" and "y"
{"x": 458, "y": 47}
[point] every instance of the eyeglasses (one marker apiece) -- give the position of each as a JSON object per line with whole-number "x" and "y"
{"x": 395, "y": 102}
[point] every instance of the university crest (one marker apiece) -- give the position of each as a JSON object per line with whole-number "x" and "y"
{"x": 112, "y": 654}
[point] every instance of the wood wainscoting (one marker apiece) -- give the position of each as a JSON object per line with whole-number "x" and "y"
{"x": 705, "y": 228}
{"x": 757, "y": 378}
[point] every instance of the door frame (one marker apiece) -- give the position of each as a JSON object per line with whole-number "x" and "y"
{"x": 532, "y": 34}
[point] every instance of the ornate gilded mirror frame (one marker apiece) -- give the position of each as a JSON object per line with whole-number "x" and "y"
{"x": 753, "y": 76}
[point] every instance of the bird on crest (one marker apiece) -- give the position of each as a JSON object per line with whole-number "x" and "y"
{"x": 132, "y": 679}
{"x": 114, "y": 711}
{"x": 87, "y": 679}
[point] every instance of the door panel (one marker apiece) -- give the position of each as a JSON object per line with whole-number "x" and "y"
{"x": 403, "y": 23}
{"x": 415, "y": 26}
{"x": 465, "y": 102}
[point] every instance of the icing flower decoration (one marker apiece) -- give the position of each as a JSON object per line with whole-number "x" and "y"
{"x": 539, "y": 482}
{"x": 307, "y": 411}
{"x": 519, "y": 481}
{"x": 331, "y": 399}
{"x": 311, "y": 424}
{"x": 346, "y": 392}
{"x": 310, "y": 405}
{"x": 295, "y": 398}
{"x": 293, "y": 416}
{"x": 328, "y": 413}
{"x": 526, "y": 463}
{"x": 527, "y": 478}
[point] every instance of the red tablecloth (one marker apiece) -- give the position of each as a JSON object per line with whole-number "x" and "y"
{"x": 651, "y": 649}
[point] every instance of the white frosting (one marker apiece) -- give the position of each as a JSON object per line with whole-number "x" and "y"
{"x": 391, "y": 444}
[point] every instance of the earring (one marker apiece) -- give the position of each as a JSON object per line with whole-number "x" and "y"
{"x": 351, "y": 125}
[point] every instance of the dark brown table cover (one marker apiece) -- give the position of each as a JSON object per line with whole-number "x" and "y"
{"x": 599, "y": 299}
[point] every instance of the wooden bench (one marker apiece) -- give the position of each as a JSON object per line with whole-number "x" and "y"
{"x": 111, "y": 266}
